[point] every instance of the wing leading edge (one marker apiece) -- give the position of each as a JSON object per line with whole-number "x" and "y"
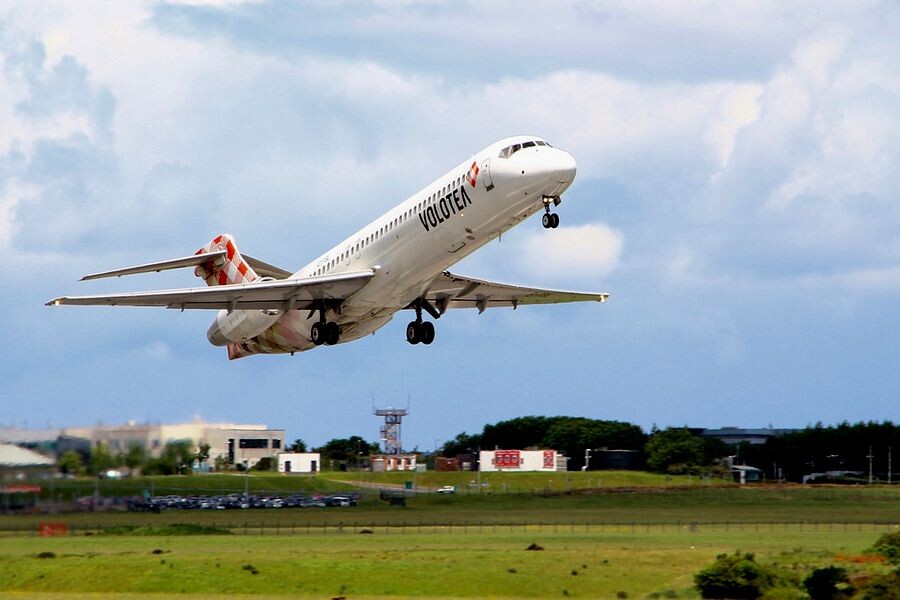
{"x": 456, "y": 291}
{"x": 284, "y": 294}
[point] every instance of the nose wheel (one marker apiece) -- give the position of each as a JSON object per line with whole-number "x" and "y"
{"x": 550, "y": 220}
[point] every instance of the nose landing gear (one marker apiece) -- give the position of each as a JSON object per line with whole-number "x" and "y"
{"x": 550, "y": 220}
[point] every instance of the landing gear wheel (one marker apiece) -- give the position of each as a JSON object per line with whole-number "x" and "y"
{"x": 554, "y": 220}
{"x": 332, "y": 333}
{"x": 413, "y": 336}
{"x": 426, "y": 331}
{"x": 318, "y": 334}
{"x": 547, "y": 220}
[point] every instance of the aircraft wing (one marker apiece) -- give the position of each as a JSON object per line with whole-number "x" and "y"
{"x": 284, "y": 294}
{"x": 456, "y": 291}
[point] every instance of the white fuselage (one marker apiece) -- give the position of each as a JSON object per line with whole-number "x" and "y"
{"x": 413, "y": 243}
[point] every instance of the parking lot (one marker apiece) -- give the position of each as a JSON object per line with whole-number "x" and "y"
{"x": 240, "y": 502}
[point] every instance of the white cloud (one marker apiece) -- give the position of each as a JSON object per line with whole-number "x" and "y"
{"x": 155, "y": 351}
{"x": 580, "y": 253}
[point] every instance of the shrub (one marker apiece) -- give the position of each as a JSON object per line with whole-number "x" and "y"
{"x": 825, "y": 584}
{"x": 735, "y": 576}
{"x": 888, "y": 546}
{"x": 883, "y": 587}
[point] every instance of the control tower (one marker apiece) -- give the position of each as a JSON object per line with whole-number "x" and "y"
{"x": 390, "y": 431}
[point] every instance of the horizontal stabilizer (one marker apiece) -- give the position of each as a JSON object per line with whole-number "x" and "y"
{"x": 164, "y": 265}
{"x": 264, "y": 269}
{"x": 284, "y": 294}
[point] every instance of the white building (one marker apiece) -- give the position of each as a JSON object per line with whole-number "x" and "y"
{"x": 299, "y": 462}
{"x": 521, "y": 460}
{"x": 393, "y": 462}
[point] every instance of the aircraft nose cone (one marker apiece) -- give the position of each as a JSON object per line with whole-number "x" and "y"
{"x": 564, "y": 167}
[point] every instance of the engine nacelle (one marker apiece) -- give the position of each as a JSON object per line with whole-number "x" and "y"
{"x": 240, "y": 325}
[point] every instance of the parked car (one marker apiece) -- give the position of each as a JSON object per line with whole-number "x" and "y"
{"x": 447, "y": 489}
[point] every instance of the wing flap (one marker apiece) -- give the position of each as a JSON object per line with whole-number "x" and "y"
{"x": 281, "y": 294}
{"x": 456, "y": 291}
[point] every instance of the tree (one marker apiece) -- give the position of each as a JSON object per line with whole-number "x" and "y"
{"x": 298, "y": 446}
{"x": 569, "y": 435}
{"x": 348, "y": 450}
{"x": 135, "y": 457}
{"x": 176, "y": 457}
{"x": 101, "y": 460}
{"x": 572, "y": 436}
{"x": 828, "y": 583}
{"x": 202, "y": 454}
{"x": 674, "y": 450}
{"x": 461, "y": 444}
{"x": 734, "y": 576}
{"x": 266, "y": 463}
{"x": 70, "y": 463}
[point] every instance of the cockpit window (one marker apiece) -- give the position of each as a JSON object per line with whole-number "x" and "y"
{"x": 510, "y": 150}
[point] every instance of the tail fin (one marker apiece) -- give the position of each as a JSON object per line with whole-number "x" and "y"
{"x": 231, "y": 269}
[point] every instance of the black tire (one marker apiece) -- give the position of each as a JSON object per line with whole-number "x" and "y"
{"x": 554, "y": 220}
{"x": 332, "y": 333}
{"x": 547, "y": 220}
{"x": 317, "y": 334}
{"x": 413, "y": 335}
{"x": 426, "y": 330}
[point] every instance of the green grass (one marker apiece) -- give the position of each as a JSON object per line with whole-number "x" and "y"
{"x": 789, "y": 504}
{"x": 597, "y": 562}
{"x": 211, "y": 484}
{"x": 528, "y": 482}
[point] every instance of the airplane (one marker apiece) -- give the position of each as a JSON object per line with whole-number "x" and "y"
{"x": 397, "y": 262}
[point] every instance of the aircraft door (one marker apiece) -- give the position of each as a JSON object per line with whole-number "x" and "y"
{"x": 486, "y": 175}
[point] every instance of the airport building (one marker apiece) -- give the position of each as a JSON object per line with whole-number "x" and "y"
{"x": 522, "y": 460}
{"x": 393, "y": 462}
{"x": 235, "y": 444}
{"x": 299, "y": 462}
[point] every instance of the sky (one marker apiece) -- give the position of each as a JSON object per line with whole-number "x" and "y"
{"x": 738, "y": 195}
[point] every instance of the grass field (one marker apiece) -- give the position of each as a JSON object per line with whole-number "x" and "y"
{"x": 335, "y": 481}
{"x": 598, "y": 543}
{"x": 598, "y": 562}
{"x": 733, "y": 504}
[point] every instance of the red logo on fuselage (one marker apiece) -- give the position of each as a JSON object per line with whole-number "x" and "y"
{"x": 472, "y": 176}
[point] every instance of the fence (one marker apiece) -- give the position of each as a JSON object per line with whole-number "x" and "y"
{"x": 265, "y": 528}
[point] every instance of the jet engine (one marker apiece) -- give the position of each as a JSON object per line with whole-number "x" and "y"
{"x": 240, "y": 325}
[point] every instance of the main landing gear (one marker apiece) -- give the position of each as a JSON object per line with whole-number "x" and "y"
{"x": 550, "y": 220}
{"x": 323, "y": 331}
{"x": 421, "y": 331}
